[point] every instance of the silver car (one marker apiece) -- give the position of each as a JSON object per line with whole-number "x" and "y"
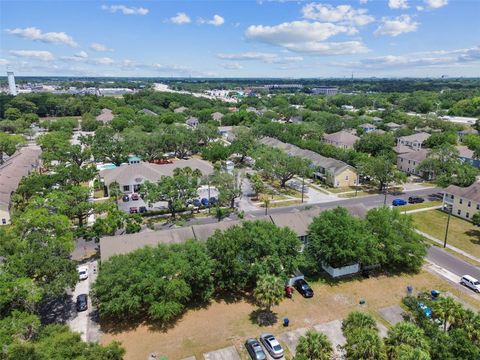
{"x": 255, "y": 350}
{"x": 272, "y": 345}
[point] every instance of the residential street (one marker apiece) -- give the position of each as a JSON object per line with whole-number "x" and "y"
{"x": 452, "y": 263}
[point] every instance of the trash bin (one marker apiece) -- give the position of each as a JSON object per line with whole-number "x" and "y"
{"x": 409, "y": 290}
{"x": 286, "y": 322}
{"x": 435, "y": 294}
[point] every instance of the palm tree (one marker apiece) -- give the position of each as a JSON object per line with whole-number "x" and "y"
{"x": 408, "y": 334}
{"x": 269, "y": 291}
{"x": 114, "y": 191}
{"x": 448, "y": 310}
{"x": 314, "y": 346}
{"x": 358, "y": 320}
{"x": 364, "y": 344}
{"x": 406, "y": 352}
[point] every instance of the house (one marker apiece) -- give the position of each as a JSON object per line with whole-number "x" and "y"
{"x": 296, "y": 119}
{"x": 217, "y": 116}
{"x": 148, "y": 112}
{"x": 297, "y": 221}
{"x": 333, "y": 172}
{"x": 130, "y": 177}
{"x": 393, "y": 126}
{"x": 192, "y": 122}
{"x": 409, "y": 160}
{"x": 180, "y": 110}
{"x": 464, "y": 202}
{"x": 20, "y": 164}
{"x": 106, "y": 115}
{"x": 466, "y": 155}
{"x": 367, "y": 127}
{"x": 227, "y": 132}
{"x": 415, "y": 141}
{"x": 341, "y": 139}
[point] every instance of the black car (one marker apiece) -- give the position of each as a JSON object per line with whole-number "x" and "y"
{"x": 303, "y": 288}
{"x": 415, "y": 200}
{"x": 142, "y": 209}
{"x": 82, "y": 302}
{"x": 255, "y": 349}
{"x": 125, "y": 198}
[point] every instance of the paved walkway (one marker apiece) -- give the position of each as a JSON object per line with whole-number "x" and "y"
{"x": 453, "y": 248}
{"x": 423, "y": 209}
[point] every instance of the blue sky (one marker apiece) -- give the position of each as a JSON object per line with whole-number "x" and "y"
{"x": 384, "y": 38}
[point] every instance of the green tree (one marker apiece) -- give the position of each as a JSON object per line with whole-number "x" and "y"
{"x": 476, "y": 219}
{"x": 229, "y": 186}
{"x": 244, "y": 142}
{"x": 376, "y": 144}
{"x": 314, "y": 346}
{"x": 364, "y": 344}
{"x": 447, "y": 310}
{"x": 358, "y": 320}
{"x": 406, "y": 334}
{"x": 107, "y": 146}
{"x": 9, "y": 144}
{"x": 382, "y": 171}
{"x": 257, "y": 184}
{"x": 404, "y": 249}
{"x": 216, "y": 151}
{"x": 243, "y": 252}
{"x": 338, "y": 239}
{"x": 269, "y": 291}
{"x": 72, "y": 201}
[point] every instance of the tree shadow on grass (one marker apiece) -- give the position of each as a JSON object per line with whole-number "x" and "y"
{"x": 474, "y": 233}
{"x": 262, "y": 317}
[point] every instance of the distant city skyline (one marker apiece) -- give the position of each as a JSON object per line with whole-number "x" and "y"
{"x": 264, "y": 38}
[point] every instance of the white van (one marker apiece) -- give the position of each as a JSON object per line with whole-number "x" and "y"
{"x": 470, "y": 282}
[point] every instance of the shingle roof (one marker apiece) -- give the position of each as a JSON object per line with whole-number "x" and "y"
{"x": 419, "y": 155}
{"x": 217, "y": 115}
{"x": 126, "y": 174}
{"x": 106, "y": 115}
{"x": 330, "y": 164}
{"x": 180, "y": 109}
{"x": 148, "y": 112}
{"x": 342, "y": 137}
{"x": 471, "y": 193}
{"x": 392, "y": 125}
{"x": 419, "y": 137}
{"x": 15, "y": 168}
{"x": 465, "y": 152}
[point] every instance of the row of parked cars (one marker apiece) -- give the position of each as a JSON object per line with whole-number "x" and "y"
{"x": 269, "y": 342}
{"x": 411, "y": 200}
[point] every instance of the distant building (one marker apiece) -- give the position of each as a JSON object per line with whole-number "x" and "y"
{"x": 466, "y": 155}
{"x": 217, "y": 116}
{"x": 148, "y": 112}
{"x": 192, "y": 122}
{"x": 12, "y": 87}
{"x": 325, "y": 90}
{"x": 464, "y": 201}
{"x": 408, "y": 161}
{"x": 415, "y": 141}
{"x": 393, "y": 126}
{"x": 180, "y": 110}
{"x": 341, "y": 139}
{"x": 368, "y": 127}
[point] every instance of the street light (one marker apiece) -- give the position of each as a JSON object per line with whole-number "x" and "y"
{"x": 450, "y": 208}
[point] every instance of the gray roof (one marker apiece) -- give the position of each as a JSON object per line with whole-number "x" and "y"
{"x": 148, "y": 112}
{"x": 106, "y": 115}
{"x": 465, "y": 152}
{"x": 392, "y": 125}
{"x": 180, "y": 109}
{"x": 418, "y": 137}
{"x": 192, "y": 121}
{"x": 217, "y": 115}
{"x": 329, "y": 164}
{"x": 368, "y": 126}
{"x": 126, "y": 174}
{"x": 419, "y": 155}
{"x": 15, "y": 168}
{"x": 297, "y": 220}
{"x": 342, "y": 137}
{"x": 470, "y": 193}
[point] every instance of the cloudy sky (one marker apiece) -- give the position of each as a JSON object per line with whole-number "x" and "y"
{"x": 248, "y": 38}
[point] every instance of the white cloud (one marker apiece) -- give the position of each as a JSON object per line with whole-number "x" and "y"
{"x": 80, "y": 56}
{"x": 328, "y": 48}
{"x": 125, "y": 10}
{"x": 435, "y": 4}
{"x": 398, "y": 4}
{"x": 341, "y": 13}
{"x": 363, "y": 1}
{"x": 180, "y": 18}
{"x": 232, "y": 66}
{"x": 269, "y": 58}
{"x": 103, "y": 61}
{"x": 396, "y": 26}
{"x": 35, "y": 34}
{"x": 99, "y": 47}
{"x": 217, "y": 20}
{"x": 33, "y": 54}
{"x": 4, "y": 62}
{"x": 420, "y": 8}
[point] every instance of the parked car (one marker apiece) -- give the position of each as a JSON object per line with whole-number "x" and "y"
{"x": 426, "y": 310}
{"x": 82, "y": 302}
{"x": 470, "y": 282}
{"x": 125, "y": 198}
{"x": 197, "y": 202}
{"x": 142, "y": 209}
{"x": 399, "y": 202}
{"x": 255, "y": 350}
{"x": 204, "y": 201}
{"x": 272, "y": 345}
{"x": 83, "y": 272}
{"x": 415, "y": 200}
{"x": 213, "y": 200}
{"x": 303, "y": 288}
{"x": 133, "y": 210}
{"x": 135, "y": 197}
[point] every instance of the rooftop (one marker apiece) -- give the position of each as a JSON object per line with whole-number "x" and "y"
{"x": 471, "y": 193}
{"x": 418, "y": 137}
{"x": 106, "y": 115}
{"x": 342, "y": 137}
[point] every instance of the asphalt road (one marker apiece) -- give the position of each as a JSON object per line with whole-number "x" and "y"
{"x": 452, "y": 263}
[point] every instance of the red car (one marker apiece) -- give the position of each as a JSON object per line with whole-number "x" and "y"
{"x": 133, "y": 210}
{"x": 135, "y": 197}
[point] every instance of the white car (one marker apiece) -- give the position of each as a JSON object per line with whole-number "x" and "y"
{"x": 471, "y": 282}
{"x": 272, "y": 345}
{"x": 83, "y": 272}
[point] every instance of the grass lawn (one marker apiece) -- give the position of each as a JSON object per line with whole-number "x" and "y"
{"x": 225, "y": 323}
{"x": 352, "y": 194}
{"x": 461, "y": 234}
{"x": 424, "y": 205}
{"x": 98, "y": 194}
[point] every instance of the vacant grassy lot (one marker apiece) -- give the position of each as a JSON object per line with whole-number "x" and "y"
{"x": 225, "y": 323}
{"x": 461, "y": 234}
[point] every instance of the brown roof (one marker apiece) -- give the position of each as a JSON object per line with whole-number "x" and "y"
{"x": 471, "y": 193}
{"x": 419, "y": 155}
{"x": 465, "y": 152}
{"x": 402, "y": 149}
{"x": 341, "y": 137}
{"x": 419, "y": 137}
{"x": 106, "y": 115}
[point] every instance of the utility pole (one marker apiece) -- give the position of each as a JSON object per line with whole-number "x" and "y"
{"x": 209, "y": 196}
{"x": 303, "y": 185}
{"x": 357, "y": 184}
{"x": 450, "y": 208}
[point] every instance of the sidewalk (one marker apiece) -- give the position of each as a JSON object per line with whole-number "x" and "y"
{"x": 453, "y": 248}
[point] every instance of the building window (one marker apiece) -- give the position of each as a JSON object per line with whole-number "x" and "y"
{"x": 460, "y": 201}
{"x": 126, "y": 187}
{"x": 468, "y": 215}
{"x": 478, "y": 206}
{"x": 459, "y": 212}
{"x": 469, "y": 203}
{"x": 451, "y": 196}
{"x": 346, "y": 177}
